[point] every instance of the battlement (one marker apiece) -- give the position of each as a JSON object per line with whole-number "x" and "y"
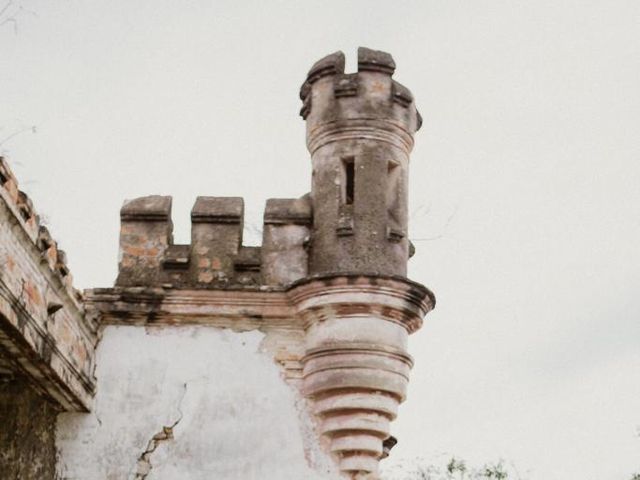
{"x": 42, "y": 322}
{"x": 335, "y": 102}
{"x": 215, "y": 258}
{"x": 25, "y": 215}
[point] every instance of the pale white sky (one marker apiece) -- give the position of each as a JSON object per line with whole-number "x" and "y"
{"x": 524, "y": 177}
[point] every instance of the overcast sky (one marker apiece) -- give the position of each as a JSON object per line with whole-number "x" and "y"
{"x": 524, "y": 183}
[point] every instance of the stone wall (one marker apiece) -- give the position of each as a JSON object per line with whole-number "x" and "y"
{"x": 27, "y": 429}
{"x": 188, "y": 402}
{"x": 46, "y": 342}
{"x": 216, "y": 257}
{"x": 42, "y": 323}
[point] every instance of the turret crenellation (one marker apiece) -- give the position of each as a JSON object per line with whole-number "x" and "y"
{"x": 329, "y": 73}
{"x": 375, "y": 61}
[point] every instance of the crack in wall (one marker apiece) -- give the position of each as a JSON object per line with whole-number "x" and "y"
{"x": 143, "y": 465}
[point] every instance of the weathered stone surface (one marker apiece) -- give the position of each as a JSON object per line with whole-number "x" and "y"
{"x": 146, "y": 232}
{"x": 329, "y": 65}
{"x": 288, "y": 211}
{"x": 46, "y": 342}
{"x": 218, "y": 210}
{"x": 359, "y": 313}
{"x": 269, "y": 311}
{"x": 152, "y": 208}
{"x": 375, "y": 60}
{"x": 341, "y": 340}
{"x": 247, "y": 266}
{"x": 360, "y": 133}
{"x": 216, "y": 238}
{"x": 356, "y": 366}
{"x": 27, "y": 432}
{"x": 285, "y": 240}
{"x": 42, "y": 325}
{"x": 193, "y": 402}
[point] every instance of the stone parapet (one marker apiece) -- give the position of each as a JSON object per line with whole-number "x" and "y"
{"x": 43, "y": 330}
{"x": 216, "y": 257}
{"x": 286, "y": 240}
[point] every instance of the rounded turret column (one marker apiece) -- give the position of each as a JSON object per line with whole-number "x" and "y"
{"x": 360, "y": 130}
{"x": 357, "y": 305}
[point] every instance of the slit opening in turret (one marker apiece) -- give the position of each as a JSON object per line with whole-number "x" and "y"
{"x": 348, "y": 165}
{"x": 394, "y": 180}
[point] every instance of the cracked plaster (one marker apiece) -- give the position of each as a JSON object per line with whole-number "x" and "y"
{"x": 216, "y": 406}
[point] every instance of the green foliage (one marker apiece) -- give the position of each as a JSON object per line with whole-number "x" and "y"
{"x": 496, "y": 471}
{"x": 456, "y": 465}
{"x": 455, "y": 469}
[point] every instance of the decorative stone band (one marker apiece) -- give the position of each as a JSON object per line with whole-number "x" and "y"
{"x": 382, "y": 130}
{"x": 356, "y": 365}
{"x": 395, "y": 299}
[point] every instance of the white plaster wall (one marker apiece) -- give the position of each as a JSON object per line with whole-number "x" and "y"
{"x": 234, "y": 416}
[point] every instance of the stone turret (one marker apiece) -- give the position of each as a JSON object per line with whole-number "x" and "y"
{"x": 360, "y": 130}
{"x": 357, "y": 304}
{"x": 330, "y": 276}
